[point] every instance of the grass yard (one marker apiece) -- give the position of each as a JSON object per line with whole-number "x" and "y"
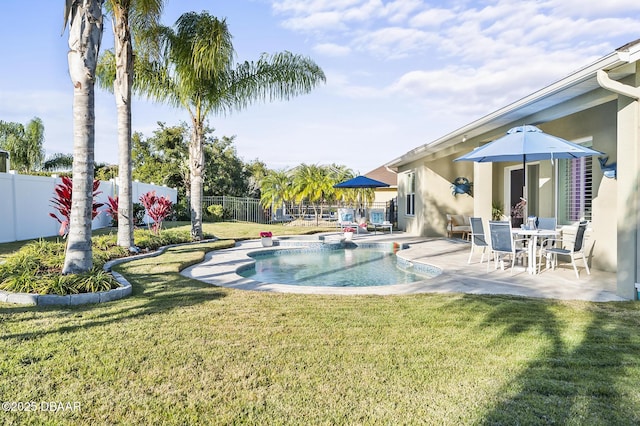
{"x": 181, "y": 352}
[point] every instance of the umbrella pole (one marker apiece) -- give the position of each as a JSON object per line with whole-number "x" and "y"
{"x": 525, "y": 210}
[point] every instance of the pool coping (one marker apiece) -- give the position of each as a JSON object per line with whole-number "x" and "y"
{"x": 450, "y": 255}
{"x": 221, "y": 268}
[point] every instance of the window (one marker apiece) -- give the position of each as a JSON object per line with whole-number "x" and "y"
{"x": 575, "y": 178}
{"x": 410, "y": 189}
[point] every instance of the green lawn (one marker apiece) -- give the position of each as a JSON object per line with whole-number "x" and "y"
{"x": 181, "y": 352}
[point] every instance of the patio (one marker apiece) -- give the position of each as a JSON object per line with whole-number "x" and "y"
{"x": 448, "y": 254}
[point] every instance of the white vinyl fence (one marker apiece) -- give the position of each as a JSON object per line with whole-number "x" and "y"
{"x": 25, "y": 204}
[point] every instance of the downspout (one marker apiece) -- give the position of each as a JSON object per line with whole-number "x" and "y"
{"x": 634, "y": 93}
{"x": 615, "y": 86}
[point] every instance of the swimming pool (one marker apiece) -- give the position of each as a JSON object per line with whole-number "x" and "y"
{"x": 338, "y": 267}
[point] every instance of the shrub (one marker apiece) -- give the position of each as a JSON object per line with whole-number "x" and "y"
{"x": 62, "y": 202}
{"x": 112, "y": 210}
{"x": 37, "y": 268}
{"x": 181, "y": 209}
{"x": 138, "y": 214}
{"x": 215, "y": 212}
{"x": 158, "y": 208}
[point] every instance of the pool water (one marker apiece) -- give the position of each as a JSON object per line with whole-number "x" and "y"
{"x": 346, "y": 267}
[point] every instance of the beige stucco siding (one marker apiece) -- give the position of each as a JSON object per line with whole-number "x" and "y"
{"x": 599, "y": 124}
{"x": 434, "y": 198}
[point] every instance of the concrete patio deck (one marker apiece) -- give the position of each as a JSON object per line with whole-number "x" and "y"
{"x": 450, "y": 255}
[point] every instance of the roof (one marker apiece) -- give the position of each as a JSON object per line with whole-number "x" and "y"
{"x": 384, "y": 175}
{"x": 540, "y": 103}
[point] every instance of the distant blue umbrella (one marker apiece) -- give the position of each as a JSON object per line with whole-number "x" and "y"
{"x": 361, "y": 182}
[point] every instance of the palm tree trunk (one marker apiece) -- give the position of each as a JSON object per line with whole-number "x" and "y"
{"x": 85, "y": 34}
{"x": 196, "y": 162}
{"x": 122, "y": 90}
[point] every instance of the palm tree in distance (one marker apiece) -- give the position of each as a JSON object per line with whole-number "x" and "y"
{"x": 194, "y": 69}
{"x": 116, "y": 73}
{"x": 276, "y": 189}
{"x": 85, "y": 35}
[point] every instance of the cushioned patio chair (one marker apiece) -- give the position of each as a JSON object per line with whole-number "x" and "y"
{"x": 376, "y": 219}
{"x": 458, "y": 224}
{"x": 503, "y": 244}
{"x": 478, "y": 239}
{"x": 576, "y": 250}
{"x": 346, "y": 219}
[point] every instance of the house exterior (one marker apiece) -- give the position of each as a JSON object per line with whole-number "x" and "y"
{"x": 390, "y": 177}
{"x": 597, "y": 106}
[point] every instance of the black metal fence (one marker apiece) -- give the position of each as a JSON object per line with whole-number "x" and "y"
{"x": 250, "y": 210}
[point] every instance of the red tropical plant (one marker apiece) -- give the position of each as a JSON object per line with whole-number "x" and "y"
{"x": 62, "y": 202}
{"x": 112, "y": 209}
{"x": 158, "y": 208}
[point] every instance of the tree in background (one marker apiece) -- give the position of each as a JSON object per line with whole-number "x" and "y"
{"x": 224, "y": 172}
{"x": 163, "y": 157}
{"x": 194, "y": 70}
{"x": 24, "y": 144}
{"x": 117, "y": 73}
{"x": 256, "y": 171}
{"x": 85, "y": 35}
{"x": 276, "y": 189}
{"x": 314, "y": 184}
{"x": 58, "y": 162}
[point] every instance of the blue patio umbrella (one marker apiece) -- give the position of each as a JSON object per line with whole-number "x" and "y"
{"x": 527, "y": 143}
{"x": 361, "y": 182}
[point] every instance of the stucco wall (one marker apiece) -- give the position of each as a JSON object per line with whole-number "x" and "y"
{"x": 434, "y": 198}
{"x": 599, "y": 124}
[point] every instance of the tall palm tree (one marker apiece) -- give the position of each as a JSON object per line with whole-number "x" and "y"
{"x": 194, "y": 70}
{"x": 116, "y": 72}
{"x": 85, "y": 35}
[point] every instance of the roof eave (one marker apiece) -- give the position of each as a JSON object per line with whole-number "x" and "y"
{"x": 627, "y": 54}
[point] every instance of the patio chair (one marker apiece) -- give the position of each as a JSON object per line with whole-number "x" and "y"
{"x": 503, "y": 244}
{"x": 458, "y": 224}
{"x": 376, "y": 219}
{"x": 281, "y": 216}
{"x": 576, "y": 250}
{"x": 346, "y": 219}
{"x": 546, "y": 223}
{"x": 478, "y": 239}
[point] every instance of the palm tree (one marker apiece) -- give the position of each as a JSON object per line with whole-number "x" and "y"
{"x": 116, "y": 72}
{"x": 313, "y": 183}
{"x": 194, "y": 70}
{"x": 85, "y": 35}
{"x": 276, "y": 188}
{"x": 23, "y": 143}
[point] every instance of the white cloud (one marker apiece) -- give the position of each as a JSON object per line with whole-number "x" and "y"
{"x": 431, "y": 18}
{"x": 394, "y": 42}
{"x": 331, "y": 49}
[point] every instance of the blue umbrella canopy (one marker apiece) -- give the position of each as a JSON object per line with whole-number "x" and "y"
{"x": 527, "y": 143}
{"x": 361, "y": 182}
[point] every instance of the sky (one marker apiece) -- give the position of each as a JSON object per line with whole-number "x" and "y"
{"x": 400, "y": 73}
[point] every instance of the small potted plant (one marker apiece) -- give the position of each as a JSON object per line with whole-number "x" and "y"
{"x": 266, "y": 238}
{"x": 348, "y": 233}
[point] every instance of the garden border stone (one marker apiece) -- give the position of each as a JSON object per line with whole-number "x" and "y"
{"x": 121, "y": 292}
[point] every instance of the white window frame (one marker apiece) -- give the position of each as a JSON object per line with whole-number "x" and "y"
{"x": 410, "y": 193}
{"x": 580, "y": 194}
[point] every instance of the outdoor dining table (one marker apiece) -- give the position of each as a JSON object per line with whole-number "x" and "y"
{"x": 534, "y": 234}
